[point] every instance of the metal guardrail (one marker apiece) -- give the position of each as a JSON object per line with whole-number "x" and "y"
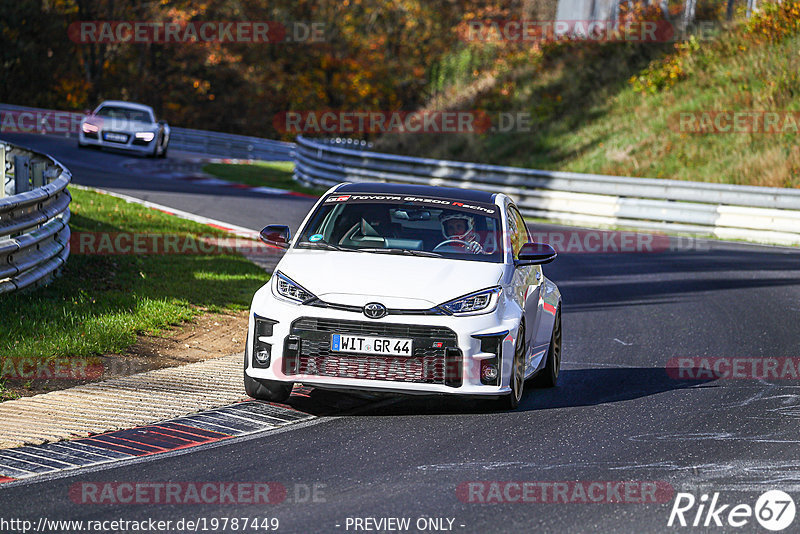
{"x": 759, "y": 214}
{"x": 229, "y": 145}
{"x": 34, "y": 217}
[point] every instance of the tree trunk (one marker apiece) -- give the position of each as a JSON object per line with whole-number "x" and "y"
{"x": 688, "y": 14}
{"x": 729, "y": 11}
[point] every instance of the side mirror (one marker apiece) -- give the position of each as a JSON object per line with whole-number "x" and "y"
{"x": 162, "y": 123}
{"x": 277, "y": 235}
{"x": 535, "y": 254}
{"x": 87, "y": 111}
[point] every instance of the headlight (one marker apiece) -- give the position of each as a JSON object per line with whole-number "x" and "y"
{"x": 484, "y": 301}
{"x": 288, "y": 288}
{"x": 145, "y": 136}
{"x": 89, "y": 128}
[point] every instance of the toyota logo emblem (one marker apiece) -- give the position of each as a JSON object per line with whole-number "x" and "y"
{"x": 373, "y": 310}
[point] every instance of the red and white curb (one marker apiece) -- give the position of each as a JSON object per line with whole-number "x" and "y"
{"x": 176, "y": 434}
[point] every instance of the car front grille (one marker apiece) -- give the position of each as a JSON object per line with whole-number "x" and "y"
{"x": 436, "y": 358}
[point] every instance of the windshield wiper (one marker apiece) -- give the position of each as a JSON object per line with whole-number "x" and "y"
{"x": 403, "y": 251}
{"x": 326, "y": 246}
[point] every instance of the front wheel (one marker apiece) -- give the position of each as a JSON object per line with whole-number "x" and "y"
{"x": 548, "y": 376}
{"x": 517, "y": 379}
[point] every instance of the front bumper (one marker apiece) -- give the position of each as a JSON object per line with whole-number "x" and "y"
{"x": 130, "y": 145}
{"x": 446, "y": 358}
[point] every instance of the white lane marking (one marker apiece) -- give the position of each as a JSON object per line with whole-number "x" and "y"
{"x": 234, "y": 229}
{"x": 622, "y": 342}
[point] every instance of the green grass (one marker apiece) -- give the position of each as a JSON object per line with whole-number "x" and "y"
{"x": 102, "y": 302}
{"x": 588, "y": 116}
{"x": 264, "y": 173}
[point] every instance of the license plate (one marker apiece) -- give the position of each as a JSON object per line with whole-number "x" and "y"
{"x": 120, "y": 138}
{"x": 389, "y": 346}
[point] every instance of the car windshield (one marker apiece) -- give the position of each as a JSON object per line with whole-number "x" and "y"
{"x": 127, "y": 114}
{"x": 401, "y": 224}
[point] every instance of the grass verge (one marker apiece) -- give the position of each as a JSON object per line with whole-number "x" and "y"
{"x": 614, "y": 108}
{"x": 102, "y": 302}
{"x": 263, "y": 173}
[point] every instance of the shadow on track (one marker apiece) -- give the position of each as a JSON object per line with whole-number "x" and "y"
{"x": 577, "y": 387}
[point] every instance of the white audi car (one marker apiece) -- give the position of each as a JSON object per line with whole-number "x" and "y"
{"x": 406, "y": 289}
{"x": 125, "y": 126}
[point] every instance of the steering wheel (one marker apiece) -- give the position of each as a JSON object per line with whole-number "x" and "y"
{"x": 473, "y": 247}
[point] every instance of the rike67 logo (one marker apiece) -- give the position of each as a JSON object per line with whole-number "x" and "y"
{"x": 773, "y": 510}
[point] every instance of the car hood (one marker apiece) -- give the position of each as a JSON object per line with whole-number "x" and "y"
{"x": 411, "y": 282}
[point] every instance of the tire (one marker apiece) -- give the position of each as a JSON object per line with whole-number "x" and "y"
{"x": 163, "y": 153}
{"x": 548, "y": 377}
{"x": 266, "y": 390}
{"x": 517, "y": 379}
{"x": 154, "y": 154}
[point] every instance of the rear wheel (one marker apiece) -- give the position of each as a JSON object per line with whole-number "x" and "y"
{"x": 548, "y": 376}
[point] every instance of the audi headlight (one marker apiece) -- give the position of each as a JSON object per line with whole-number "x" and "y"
{"x": 288, "y": 288}
{"x": 484, "y": 301}
{"x": 145, "y": 136}
{"x": 89, "y": 128}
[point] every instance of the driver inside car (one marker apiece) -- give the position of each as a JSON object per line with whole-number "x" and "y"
{"x": 459, "y": 230}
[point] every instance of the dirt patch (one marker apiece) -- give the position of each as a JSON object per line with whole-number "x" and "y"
{"x": 211, "y": 335}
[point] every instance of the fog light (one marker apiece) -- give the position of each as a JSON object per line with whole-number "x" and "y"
{"x": 262, "y": 353}
{"x": 489, "y": 372}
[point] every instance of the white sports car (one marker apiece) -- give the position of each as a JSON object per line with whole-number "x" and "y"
{"x": 125, "y": 126}
{"x": 406, "y": 289}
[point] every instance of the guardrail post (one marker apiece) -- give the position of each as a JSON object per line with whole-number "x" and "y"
{"x": 37, "y": 171}
{"x": 22, "y": 182}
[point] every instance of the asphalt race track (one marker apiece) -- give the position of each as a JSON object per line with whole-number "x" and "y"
{"x": 616, "y": 415}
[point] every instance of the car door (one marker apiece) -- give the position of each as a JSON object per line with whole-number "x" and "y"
{"x": 525, "y": 283}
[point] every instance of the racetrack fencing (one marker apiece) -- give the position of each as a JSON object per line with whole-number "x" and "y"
{"x": 23, "y": 119}
{"x": 34, "y": 217}
{"x": 758, "y": 214}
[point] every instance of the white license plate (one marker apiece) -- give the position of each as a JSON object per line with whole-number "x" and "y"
{"x": 389, "y": 346}
{"x": 116, "y": 137}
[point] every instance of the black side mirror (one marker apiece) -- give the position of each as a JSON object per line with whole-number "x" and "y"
{"x": 162, "y": 122}
{"x": 535, "y": 254}
{"x": 277, "y": 235}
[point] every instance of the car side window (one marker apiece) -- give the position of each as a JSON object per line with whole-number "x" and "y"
{"x": 518, "y": 231}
